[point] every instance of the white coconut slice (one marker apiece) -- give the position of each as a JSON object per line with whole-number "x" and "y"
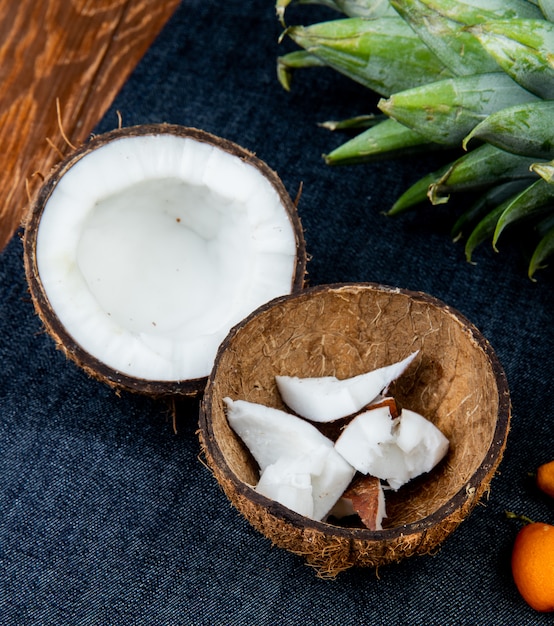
{"x": 148, "y": 244}
{"x": 270, "y": 433}
{"x": 366, "y": 439}
{"x": 288, "y": 485}
{"x": 423, "y": 444}
{"x": 395, "y": 450}
{"x": 326, "y": 399}
{"x": 300, "y": 467}
{"x": 330, "y": 482}
{"x": 309, "y": 484}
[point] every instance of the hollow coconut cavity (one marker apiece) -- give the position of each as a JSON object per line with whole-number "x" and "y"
{"x": 455, "y": 381}
{"x": 147, "y": 244}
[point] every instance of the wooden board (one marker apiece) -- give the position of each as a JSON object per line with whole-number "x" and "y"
{"x": 77, "y": 53}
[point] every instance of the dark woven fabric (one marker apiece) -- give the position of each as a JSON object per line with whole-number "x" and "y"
{"x": 108, "y": 517}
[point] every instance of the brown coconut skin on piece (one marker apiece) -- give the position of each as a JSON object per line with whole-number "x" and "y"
{"x": 456, "y": 381}
{"x": 90, "y": 364}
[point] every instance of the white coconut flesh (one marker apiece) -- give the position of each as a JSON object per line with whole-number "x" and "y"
{"x": 396, "y": 450}
{"x": 300, "y": 467}
{"x": 308, "y": 473}
{"x": 326, "y": 399}
{"x": 150, "y": 248}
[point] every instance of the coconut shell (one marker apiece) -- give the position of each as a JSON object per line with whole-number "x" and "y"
{"x": 456, "y": 381}
{"x": 64, "y": 341}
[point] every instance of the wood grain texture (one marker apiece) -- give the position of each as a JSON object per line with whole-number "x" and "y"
{"x": 77, "y": 53}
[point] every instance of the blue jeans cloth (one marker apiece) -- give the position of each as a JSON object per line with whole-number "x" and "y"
{"x": 107, "y": 517}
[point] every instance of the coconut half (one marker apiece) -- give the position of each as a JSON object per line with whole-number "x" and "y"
{"x": 148, "y": 244}
{"x": 455, "y": 381}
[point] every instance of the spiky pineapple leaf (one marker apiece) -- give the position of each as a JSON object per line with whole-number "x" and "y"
{"x": 534, "y": 200}
{"x": 299, "y": 59}
{"x": 384, "y": 140}
{"x": 479, "y": 169}
{"x": 490, "y": 199}
{"x": 361, "y": 50}
{"x": 524, "y": 49}
{"x": 499, "y": 56}
{"x": 524, "y": 129}
{"x": 441, "y": 25}
{"x": 543, "y": 251}
{"x": 445, "y": 111}
{"x": 418, "y": 192}
{"x": 545, "y": 247}
{"x": 476, "y": 11}
{"x": 483, "y": 231}
{"x": 359, "y": 122}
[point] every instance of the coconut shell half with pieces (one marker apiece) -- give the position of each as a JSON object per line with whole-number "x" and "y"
{"x": 456, "y": 382}
{"x": 147, "y": 244}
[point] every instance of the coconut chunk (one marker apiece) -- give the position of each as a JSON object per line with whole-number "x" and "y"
{"x": 367, "y": 499}
{"x": 288, "y": 485}
{"x": 270, "y": 433}
{"x": 364, "y": 497}
{"x": 395, "y": 450}
{"x": 309, "y": 484}
{"x": 329, "y": 484}
{"x": 367, "y": 438}
{"x": 327, "y": 398}
{"x": 300, "y": 467}
{"x": 423, "y": 444}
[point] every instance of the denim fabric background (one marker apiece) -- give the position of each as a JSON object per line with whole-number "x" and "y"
{"x": 107, "y": 517}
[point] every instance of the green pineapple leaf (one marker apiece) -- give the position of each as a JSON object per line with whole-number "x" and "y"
{"x": 524, "y": 49}
{"x": 534, "y": 200}
{"x": 483, "y": 231}
{"x": 490, "y": 199}
{"x": 545, "y": 247}
{"x": 446, "y": 111}
{"x": 482, "y": 71}
{"x": 382, "y": 141}
{"x": 484, "y": 167}
{"x": 383, "y": 54}
{"x": 441, "y": 25}
{"x": 298, "y": 59}
{"x": 525, "y": 129}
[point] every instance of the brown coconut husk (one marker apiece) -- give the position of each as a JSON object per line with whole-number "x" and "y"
{"x": 456, "y": 381}
{"x": 90, "y": 364}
